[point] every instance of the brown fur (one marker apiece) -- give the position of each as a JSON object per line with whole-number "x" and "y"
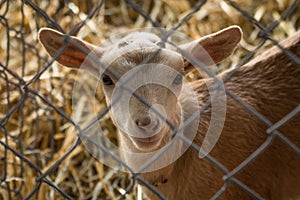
{"x": 271, "y": 85}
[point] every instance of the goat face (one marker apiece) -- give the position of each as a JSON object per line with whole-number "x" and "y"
{"x": 142, "y": 80}
{"x": 144, "y": 89}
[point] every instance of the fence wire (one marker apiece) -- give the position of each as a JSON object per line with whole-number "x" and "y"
{"x": 41, "y": 151}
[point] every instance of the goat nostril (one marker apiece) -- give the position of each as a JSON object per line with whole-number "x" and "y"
{"x": 143, "y": 122}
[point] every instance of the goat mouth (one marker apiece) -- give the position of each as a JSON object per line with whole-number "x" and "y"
{"x": 149, "y": 142}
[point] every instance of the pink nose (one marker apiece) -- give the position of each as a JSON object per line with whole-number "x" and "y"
{"x": 143, "y": 121}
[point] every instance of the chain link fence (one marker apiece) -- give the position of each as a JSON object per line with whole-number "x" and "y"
{"x": 41, "y": 151}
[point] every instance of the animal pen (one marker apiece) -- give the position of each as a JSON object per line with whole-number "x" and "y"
{"x": 42, "y": 151}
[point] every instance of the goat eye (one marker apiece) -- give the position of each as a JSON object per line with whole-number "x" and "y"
{"x": 106, "y": 80}
{"x": 178, "y": 79}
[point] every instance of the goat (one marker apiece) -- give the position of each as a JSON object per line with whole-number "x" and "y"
{"x": 270, "y": 84}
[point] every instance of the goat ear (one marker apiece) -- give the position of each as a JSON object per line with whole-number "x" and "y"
{"x": 75, "y": 50}
{"x": 213, "y": 48}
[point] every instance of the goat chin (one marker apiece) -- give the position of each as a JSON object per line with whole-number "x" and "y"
{"x": 151, "y": 143}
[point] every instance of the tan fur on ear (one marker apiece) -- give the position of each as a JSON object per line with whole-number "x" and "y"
{"x": 215, "y": 47}
{"x": 75, "y": 51}
{"x": 220, "y": 45}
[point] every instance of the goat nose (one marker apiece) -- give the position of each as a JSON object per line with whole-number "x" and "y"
{"x": 143, "y": 122}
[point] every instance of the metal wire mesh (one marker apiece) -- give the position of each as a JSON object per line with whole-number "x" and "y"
{"x": 37, "y": 159}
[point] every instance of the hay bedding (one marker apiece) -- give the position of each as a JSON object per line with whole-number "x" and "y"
{"x": 37, "y": 131}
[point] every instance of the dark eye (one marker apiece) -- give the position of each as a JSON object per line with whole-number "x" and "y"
{"x": 106, "y": 80}
{"x": 178, "y": 79}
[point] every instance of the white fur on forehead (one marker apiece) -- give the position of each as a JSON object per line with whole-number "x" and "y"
{"x": 138, "y": 41}
{"x": 140, "y": 36}
{"x": 133, "y": 49}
